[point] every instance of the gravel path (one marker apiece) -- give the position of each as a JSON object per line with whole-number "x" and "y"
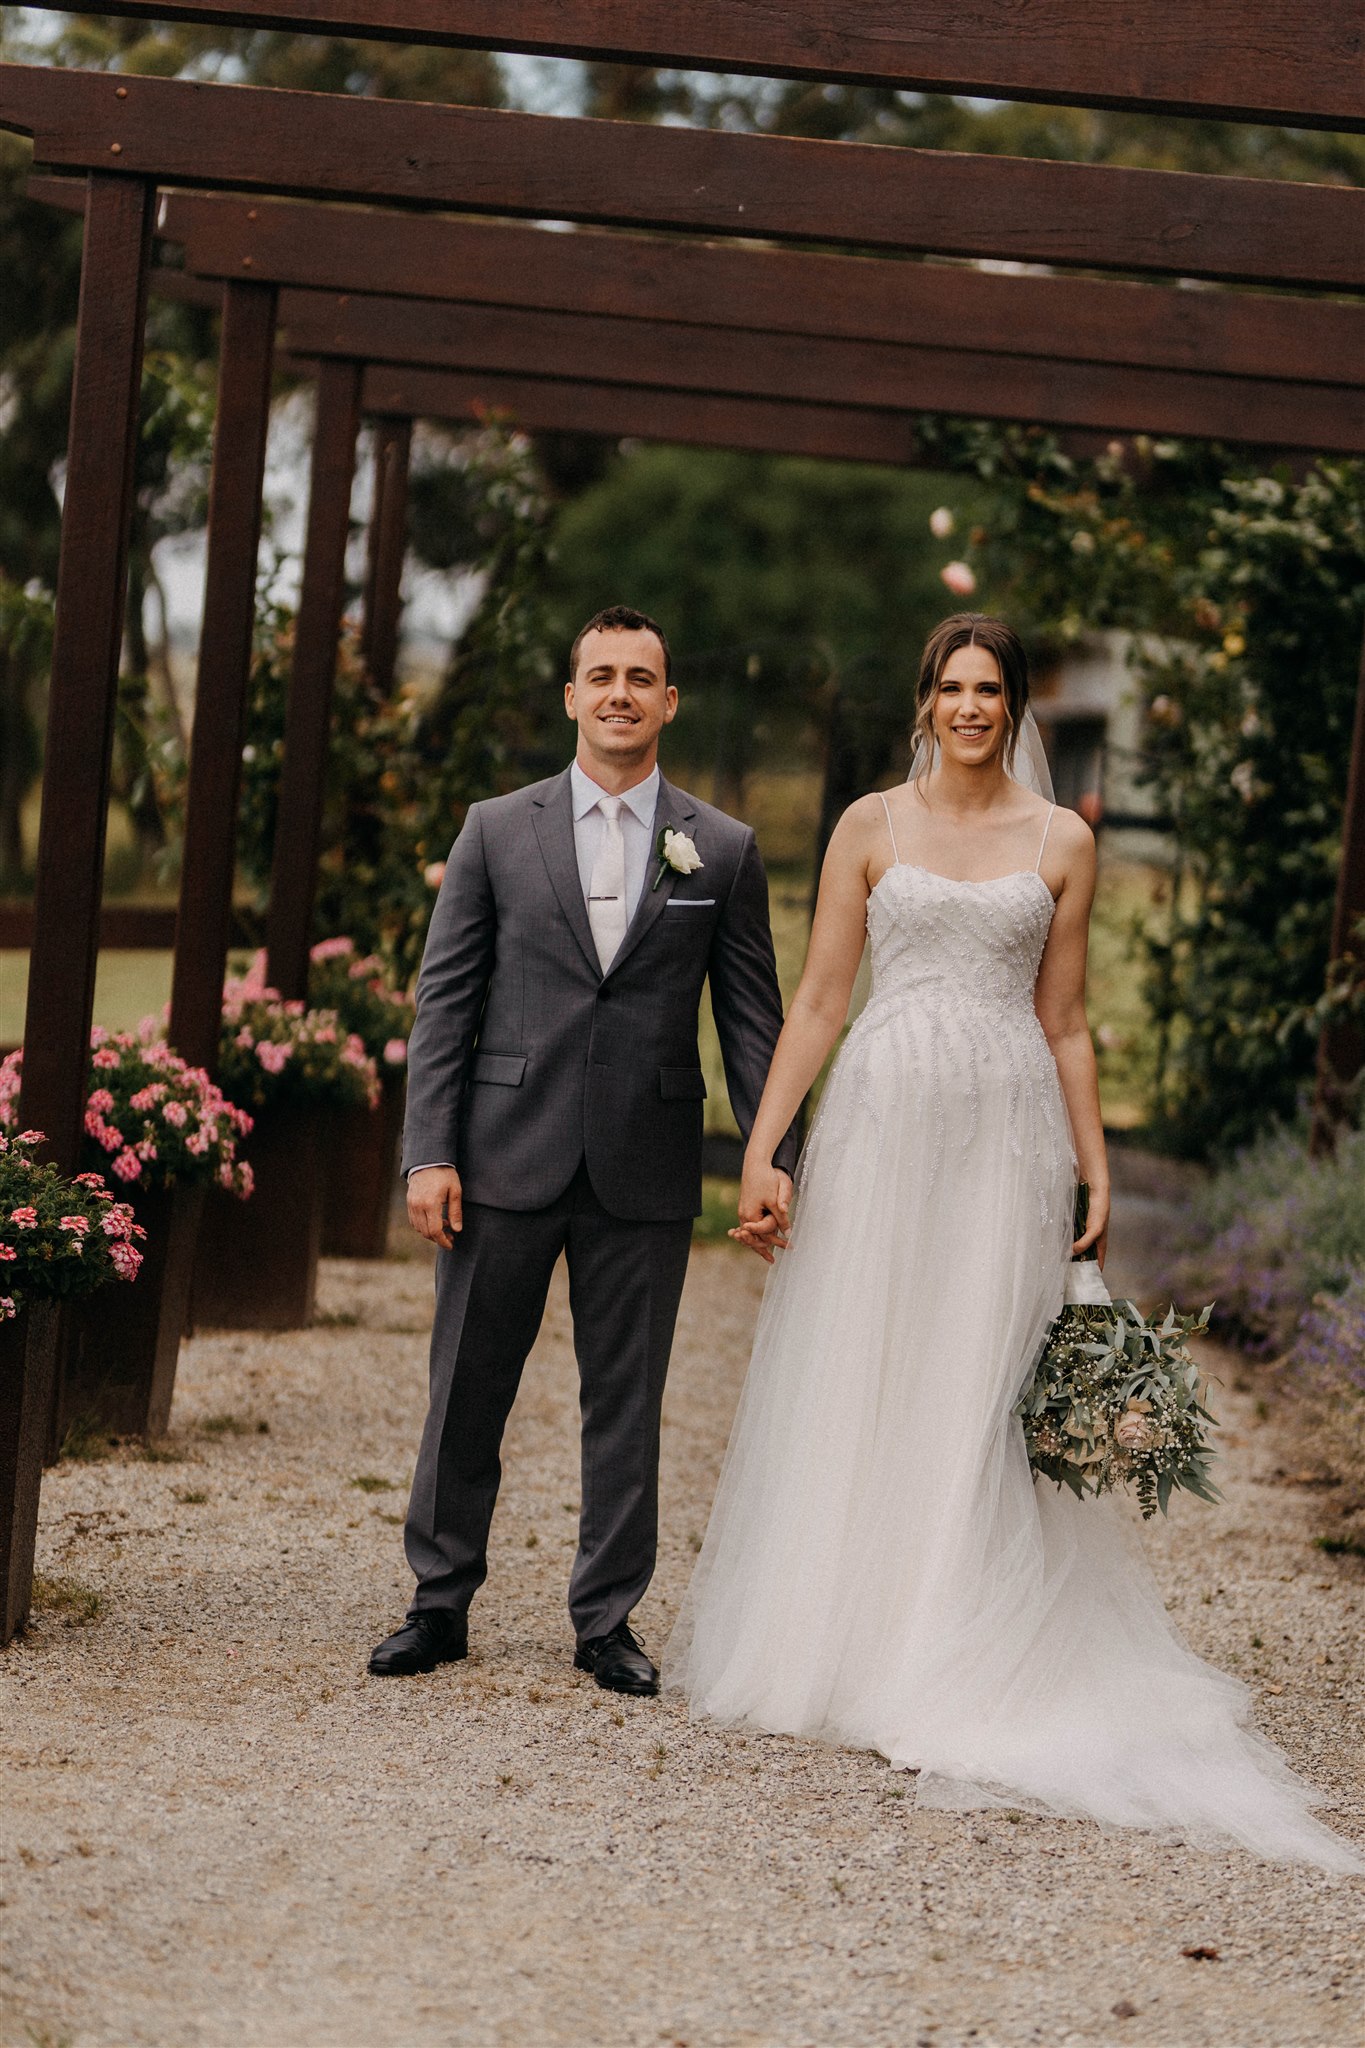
{"x": 216, "y": 1830}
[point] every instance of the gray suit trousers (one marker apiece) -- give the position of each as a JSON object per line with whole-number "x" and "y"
{"x": 625, "y": 1282}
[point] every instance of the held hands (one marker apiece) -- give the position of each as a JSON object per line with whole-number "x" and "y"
{"x": 765, "y": 1196}
{"x": 435, "y": 1204}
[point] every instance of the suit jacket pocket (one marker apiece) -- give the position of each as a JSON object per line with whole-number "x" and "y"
{"x": 682, "y": 1084}
{"x": 502, "y": 1069}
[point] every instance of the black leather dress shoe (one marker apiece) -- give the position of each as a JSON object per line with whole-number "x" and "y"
{"x": 618, "y": 1662}
{"x": 439, "y": 1636}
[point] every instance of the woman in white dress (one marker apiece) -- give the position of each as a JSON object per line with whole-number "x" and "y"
{"x": 880, "y": 1569}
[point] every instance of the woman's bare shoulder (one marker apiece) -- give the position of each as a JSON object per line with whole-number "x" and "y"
{"x": 1070, "y": 832}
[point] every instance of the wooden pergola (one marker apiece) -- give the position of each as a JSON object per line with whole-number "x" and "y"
{"x": 651, "y": 328}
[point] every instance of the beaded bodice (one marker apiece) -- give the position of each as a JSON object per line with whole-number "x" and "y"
{"x": 975, "y": 944}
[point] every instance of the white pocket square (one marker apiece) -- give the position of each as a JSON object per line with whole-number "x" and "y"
{"x": 690, "y": 903}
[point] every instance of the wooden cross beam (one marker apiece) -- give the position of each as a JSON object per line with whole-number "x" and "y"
{"x": 814, "y": 370}
{"x": 642, "y": 277}
{"x": 841, "y": 433}
{"x": 1248, "y": 60}
{"x": 464, "y": 159}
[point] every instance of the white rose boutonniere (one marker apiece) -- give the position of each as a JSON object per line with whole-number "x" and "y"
{"x": 675, "y": 851}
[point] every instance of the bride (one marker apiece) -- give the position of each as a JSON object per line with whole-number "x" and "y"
{"x": 880, "y": 1569}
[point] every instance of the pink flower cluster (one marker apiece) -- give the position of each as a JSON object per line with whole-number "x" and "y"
{"x": 96, "y": 1231}
{"x": 267, "y": 1040}
{"x": 359, "y": 987}
{"x": 153, "y": 1116}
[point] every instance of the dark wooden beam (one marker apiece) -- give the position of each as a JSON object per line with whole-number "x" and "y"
{"x": 293, "y": 872}
{"x": 838, "y": 433}
{"x": 245, "y": 354}
{"x": 1252, "y": 60}
{"x": 89, "y": 628}
{"x": 124, "y": 927}
{"x": 91, "y": 582}
{"x": 783, "y": 290}
{"x": 811, "y": 370}
{"x": 388, "y": 542}
{"x": 463, "y": 159}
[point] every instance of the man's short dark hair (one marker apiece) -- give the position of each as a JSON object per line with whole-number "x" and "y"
{"x": 621, "y": 618}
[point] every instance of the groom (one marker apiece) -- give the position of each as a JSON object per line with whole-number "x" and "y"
{"x": 555, "y": 1105}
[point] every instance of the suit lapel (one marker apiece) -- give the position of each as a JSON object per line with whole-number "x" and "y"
{"x": 554, "y": 829}
{"x": 674, "y": 809}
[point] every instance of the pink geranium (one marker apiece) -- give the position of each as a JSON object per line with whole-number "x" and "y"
{"x": 128, "y": 1166}
{"x": 100, "y": 1100}
{"x": 274, "y": 1057}
{"x": 176, "y": 1114}
{"x": 331, "y": 949}
{"x": 126, "y": 1259}
{"x": 396, "y": 1052}
{"x": 105, "y": 1056}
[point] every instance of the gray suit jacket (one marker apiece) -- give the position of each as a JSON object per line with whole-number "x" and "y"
{"x": 526, "y": 1059}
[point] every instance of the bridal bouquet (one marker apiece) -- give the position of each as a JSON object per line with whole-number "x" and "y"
{"x": 1118, "y": 1401}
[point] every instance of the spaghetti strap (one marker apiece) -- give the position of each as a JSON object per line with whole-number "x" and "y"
{"x": 1037, "y": 865}
{"x": 891, "y": 830}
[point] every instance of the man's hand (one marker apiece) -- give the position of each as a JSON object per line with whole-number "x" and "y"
{"x": 765, "y": 1197}
{"x": 435, "y": 1204}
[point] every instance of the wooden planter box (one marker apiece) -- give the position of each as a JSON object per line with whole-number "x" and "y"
{"x": 358, "y": 1199}
{"x": 118, "y": 1349}
{"x": 256, "y": 1266}
{"x": 25, "y": 1402}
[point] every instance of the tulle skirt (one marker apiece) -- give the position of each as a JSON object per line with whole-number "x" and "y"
{"x": 880, "y": 1569}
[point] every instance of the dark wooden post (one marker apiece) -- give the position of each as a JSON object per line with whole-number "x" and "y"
{"x": 293, "y": 872}
{"x": 388, "y": 544}
{"x": 1341, "y": 1049}
{"x": 202, "y": 926}
{"x": 91, "y": 582}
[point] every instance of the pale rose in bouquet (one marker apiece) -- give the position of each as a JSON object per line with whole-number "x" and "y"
{"x": 273, "y": 1052}
{"x": 151, "y": 1120}
{"x": 1118, "y": 1401}
{"x": 59, "y": 1237}
{"x": 361, "y": 989}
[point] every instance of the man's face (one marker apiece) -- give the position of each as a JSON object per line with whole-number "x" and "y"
{"x": 618, "y": 697}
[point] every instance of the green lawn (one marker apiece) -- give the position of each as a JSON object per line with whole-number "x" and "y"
{"x": 128, "y": 987}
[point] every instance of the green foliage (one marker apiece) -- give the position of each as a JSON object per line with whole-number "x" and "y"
{"x": 1253, "y": 709}
{"x": 1245, "y": 596}
{"x": 776, "y": 579}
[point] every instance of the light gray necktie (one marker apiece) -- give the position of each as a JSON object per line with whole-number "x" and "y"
{"x": 607, "y": 888}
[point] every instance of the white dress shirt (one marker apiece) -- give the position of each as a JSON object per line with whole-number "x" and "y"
{"x": 638, "y": 806}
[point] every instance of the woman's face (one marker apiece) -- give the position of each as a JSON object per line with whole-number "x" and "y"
{"x": 970, "y": 721}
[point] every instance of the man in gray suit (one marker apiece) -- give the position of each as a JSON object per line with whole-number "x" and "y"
{"x": 555, "y": 1105}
